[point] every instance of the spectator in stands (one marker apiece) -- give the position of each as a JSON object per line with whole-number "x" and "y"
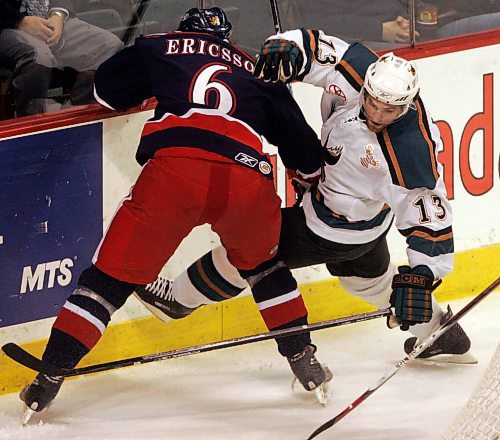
{"x": 37, "y": 36}
{"x": 459, "y": 17}
{"x": 356, "y": 20}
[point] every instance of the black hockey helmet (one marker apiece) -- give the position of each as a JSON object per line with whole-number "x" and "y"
{"x": 212, "y": 20}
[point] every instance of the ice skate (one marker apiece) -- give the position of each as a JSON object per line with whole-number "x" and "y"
{"x": 157, "y": 297}
{"x": 453, "y": 347}
{"x": 39, "y": 394}
{"x": 311, "y": 374}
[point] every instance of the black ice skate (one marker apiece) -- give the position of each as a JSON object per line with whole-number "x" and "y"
{"x": 39, "y": 394}
{"x": 159, "y": 295}
{"x": 311, "y": 374}
{"x": 452, "y": 347}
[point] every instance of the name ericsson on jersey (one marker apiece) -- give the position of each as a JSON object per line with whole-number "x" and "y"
{"x": 198, "y": 46}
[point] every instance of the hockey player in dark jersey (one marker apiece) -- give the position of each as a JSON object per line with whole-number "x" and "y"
{"x": 379, "y": 167}
{"x": 202, "y": 163}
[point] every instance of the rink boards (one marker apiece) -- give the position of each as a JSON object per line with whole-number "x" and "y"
{"x": 64, "y": 175}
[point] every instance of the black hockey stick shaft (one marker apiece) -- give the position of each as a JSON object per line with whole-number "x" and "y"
{"x": 134, "y": 21}
{"x": 412, "y": 355}
{"x": 21, "y": 356}
{"x": 276, "y": 15}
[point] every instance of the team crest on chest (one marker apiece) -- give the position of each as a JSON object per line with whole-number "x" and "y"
{"x": 369, "y": 158}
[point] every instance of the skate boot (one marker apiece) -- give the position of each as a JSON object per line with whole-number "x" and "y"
{"x": 452, "y": 347}
{"x": 39, "y": 394}
{"x": 311, "y": 374}
{"x": 157, "y": 297}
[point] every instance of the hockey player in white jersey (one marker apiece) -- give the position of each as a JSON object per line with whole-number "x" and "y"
{"x": 379, "y": 167}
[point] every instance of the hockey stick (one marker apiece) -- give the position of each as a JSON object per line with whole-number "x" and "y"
{"x": 21, "y": 356}
{"x": 134, "y": 21}
{"x": 276, "y": 16}
{"x": 414, "y": 353}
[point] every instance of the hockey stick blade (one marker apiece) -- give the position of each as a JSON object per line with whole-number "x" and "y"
{"x": 410, "y": 356}
{"x": 21, "y": 356}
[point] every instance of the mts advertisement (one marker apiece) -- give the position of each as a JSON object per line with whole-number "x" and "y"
{"x": 51, "y": 218}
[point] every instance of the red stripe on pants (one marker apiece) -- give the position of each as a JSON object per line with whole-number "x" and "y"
{"x": 77, "y": 327}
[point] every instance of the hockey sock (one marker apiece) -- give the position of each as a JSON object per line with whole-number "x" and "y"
{"x": 280, "y": 303}
{"x": 84, "y": 317}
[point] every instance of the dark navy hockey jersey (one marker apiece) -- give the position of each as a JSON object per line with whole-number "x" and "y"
{"x": 208, "y": 100}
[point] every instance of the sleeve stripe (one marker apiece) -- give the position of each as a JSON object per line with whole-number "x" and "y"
{"x": 309, "y": 43}
{"x": 427, "y": 231}
{"x": 422, "y": 122}
{"x": 312, "y": 41}
{"x": 394, "y": 167}
{"x": 429, "y": 237}
{"x": 430, "y": 248}
{"x": 351, "y": 75}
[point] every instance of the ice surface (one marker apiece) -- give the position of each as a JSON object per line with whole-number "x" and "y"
{"x": 244, "y": 392}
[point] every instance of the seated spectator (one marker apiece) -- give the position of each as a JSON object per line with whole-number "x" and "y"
{"x": 459, "y": 18}
{"x": 356, "y": 20}
{"x": 37, "y": 36}
{"x": 450, "y": 18}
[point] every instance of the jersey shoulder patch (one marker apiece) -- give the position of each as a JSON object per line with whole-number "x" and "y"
{"x": 409, "y": 150}
{"x": 354, "y": 64}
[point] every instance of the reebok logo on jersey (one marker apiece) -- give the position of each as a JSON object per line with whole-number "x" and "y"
{"x": 369, "y": 158}
{"x": 247, "y": 160}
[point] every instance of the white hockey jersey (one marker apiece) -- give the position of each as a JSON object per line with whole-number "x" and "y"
{"x": 370, "y": 178}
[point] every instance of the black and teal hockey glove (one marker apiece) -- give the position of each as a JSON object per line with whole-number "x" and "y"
{"x": 278, "y": 60}
{"x": 412, "y": 295}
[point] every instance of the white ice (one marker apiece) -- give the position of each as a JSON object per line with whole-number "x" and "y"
{"x": 244, "y": 392}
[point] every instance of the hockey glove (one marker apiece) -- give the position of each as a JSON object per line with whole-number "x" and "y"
{"x": 278, "y": 60}
{"x": 300, "y": 183}
{"x": 412, "y": 295}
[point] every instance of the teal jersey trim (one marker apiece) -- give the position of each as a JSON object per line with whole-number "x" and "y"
{"x": 409, "y": 150}
{"x": 429, "y": 242}
{"x": 334, "y": 221}
{"x": 354, "y": 64}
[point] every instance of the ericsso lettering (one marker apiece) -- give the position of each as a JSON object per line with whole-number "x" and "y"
{"x": 46, "y": 275}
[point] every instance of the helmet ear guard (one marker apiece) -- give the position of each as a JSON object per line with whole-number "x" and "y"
{"x": 212, "y": 20}
{"x": 392, "y": 80}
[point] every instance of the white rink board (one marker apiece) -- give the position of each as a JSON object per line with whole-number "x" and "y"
{"x": 451, "y": 86}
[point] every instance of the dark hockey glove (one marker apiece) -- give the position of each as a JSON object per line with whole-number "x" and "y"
{"x": 300, "y": 184}
{"x": 278, "y": 60}
{"x": 412, "y": 295}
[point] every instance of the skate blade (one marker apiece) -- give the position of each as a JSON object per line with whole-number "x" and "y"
{"x": 323, "y": 393}
{"x": 28, "y": 412}
{"x": 442, "y": 359}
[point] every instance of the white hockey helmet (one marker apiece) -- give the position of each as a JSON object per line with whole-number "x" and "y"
{"x": 392, "y": 80}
